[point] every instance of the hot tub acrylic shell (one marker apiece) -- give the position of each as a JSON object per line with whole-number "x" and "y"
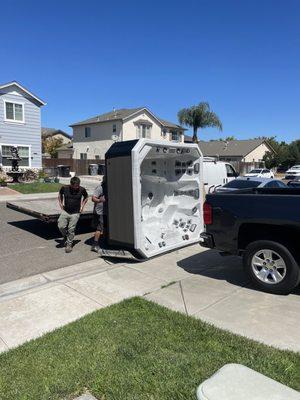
{"x": 155, "y": 196}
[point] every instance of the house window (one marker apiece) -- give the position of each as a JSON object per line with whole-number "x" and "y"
{"x": 83, "y": 156}
{"x": 24, "y": 153}
{"x": 14, "y": 112}
{"x": 175, "y": 137}
{"x": 97, "y": 157}
{"x": 114, "y": 128}
{"x": 143, "y": 131}
{"x": 87, "y": 132}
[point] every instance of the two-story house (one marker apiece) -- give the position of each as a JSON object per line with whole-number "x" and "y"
{"x": 20, "y": 125}
{"x": 93, "y": 137}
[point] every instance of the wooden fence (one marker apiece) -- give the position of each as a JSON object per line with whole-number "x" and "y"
{"x": 80, "y": 167}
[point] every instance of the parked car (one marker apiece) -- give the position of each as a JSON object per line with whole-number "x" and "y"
{"x": 293, "y": 172}
{"x": 263, "y": 226}
{"x": 260, "y": 172}
{"x": 216, "y": 173}
{"x": 248, "y": 183}
{"x": 281, "y": 169}
{"x": 295, "y": 183}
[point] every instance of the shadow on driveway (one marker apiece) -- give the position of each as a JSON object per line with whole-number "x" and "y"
{"x": 48, "y": 231}
{"x": 211, "y": 264}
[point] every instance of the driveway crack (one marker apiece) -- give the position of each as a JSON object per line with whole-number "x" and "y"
{"x": 183, "y": 299}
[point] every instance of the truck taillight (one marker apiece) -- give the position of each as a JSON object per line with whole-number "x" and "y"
{"x": 207, "y": 214}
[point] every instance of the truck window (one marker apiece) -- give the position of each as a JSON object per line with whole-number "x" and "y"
{"x": 230, "y": 171}
{"x": 242, "y": 184}
{"x": 275, "y": 184}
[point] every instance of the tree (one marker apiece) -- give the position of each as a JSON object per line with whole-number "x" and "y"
{"x": 50, "y": 146}
{"x": 293, "y": 153}
{"x": 227, "y": 139}
{"x": 280, "y": 156}
{"x": 197, "y": 117}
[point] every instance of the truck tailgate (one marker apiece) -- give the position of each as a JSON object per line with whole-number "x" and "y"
{"x": 46, "y": 210}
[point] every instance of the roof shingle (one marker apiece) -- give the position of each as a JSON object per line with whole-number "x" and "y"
{"x": 122, "y": 114}
{"x": 233, "y": 148}
{"x": 49, "y": 132}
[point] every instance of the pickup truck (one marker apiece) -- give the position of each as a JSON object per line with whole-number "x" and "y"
{"x": 262, "y": 226}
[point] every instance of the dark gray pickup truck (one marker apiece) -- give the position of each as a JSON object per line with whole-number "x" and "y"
{"x": 263, "y": 226}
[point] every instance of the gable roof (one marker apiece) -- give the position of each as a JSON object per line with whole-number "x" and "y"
{"x": 5, "y": 85}
{"x": 235, "y": 148}
{"x": 169, "y": 124}
{"x": 122, "y": 114}
{"x": 67, "y": 146}
{"x": 114, "y": 115}
{"x": 49, "y": 132}
{"x": 188, "y": 139}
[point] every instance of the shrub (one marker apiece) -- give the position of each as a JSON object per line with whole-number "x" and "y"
{"x": 3, "y": 176}
{"x": 30, "y": 175}
{"x": 42, "y": 174}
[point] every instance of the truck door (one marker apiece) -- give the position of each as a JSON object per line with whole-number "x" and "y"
{"x": 230, "y": 173}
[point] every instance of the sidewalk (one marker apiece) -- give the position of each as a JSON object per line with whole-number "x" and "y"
{"x": 7, "y": 194}
{"x": 20, "y": 196}
{"x": 192, "y": 280}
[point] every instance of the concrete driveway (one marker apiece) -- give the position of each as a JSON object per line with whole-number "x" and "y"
{"x": 192, "y": 280}
{"x": 29, "y": 246}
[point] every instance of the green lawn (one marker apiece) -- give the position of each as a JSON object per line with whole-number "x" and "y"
{"x": 36, "y": 187}
{"x": 134, "y": 350}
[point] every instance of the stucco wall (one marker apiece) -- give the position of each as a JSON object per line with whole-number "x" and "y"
{"x": 100, "y": 140}
{"x": 65, "y": 140}
{"x": 98, "y": 143}
{"x": 130, "y": 129}
{"x": 257, "y": 154}
{"x": 65, "y": 154}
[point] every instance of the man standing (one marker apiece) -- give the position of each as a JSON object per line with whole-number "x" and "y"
{"x": 72, "y": 199}
{"x": 99, "y": 214}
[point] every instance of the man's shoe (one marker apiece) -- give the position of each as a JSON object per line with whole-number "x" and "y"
{"x": 63, "y": 242}
{"x": 96, "y": 248}
{"x": 68, "y": 248}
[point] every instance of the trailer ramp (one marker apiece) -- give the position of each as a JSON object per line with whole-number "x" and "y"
{"x": 46, "y": 210}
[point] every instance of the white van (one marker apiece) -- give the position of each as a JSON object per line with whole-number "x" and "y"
{"x": 216, "y": 173}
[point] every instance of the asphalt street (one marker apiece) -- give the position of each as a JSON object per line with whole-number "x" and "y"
{"x": 29, "y": 246}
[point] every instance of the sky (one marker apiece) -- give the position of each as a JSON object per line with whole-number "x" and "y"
{"x": 87, "y": 57}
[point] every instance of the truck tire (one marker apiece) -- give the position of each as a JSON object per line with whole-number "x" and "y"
{"x": 271, "y": 267}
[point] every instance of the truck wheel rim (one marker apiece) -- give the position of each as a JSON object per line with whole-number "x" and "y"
{"x": 268, "y": 266}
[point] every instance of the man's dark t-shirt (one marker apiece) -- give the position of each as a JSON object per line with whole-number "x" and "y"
{"x": 72, "y": 198}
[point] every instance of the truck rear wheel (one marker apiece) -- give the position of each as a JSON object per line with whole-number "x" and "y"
{"x": 271, "y": 267}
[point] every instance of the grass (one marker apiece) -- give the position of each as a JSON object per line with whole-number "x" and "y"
{"x": 36, "y": 187}
{"x": 133, "y": 350}
{"x": 168, "y": 284}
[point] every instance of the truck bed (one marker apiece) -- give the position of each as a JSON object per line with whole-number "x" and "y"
{"x": 46, "y": 210}
{"x": 259, "y": 208}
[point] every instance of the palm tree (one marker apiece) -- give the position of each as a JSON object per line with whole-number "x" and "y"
{"x": 197, "y": 117}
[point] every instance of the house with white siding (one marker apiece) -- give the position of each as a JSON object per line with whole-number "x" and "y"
{"x": 20, "y": 125}
{"x": 93, "y": 137}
